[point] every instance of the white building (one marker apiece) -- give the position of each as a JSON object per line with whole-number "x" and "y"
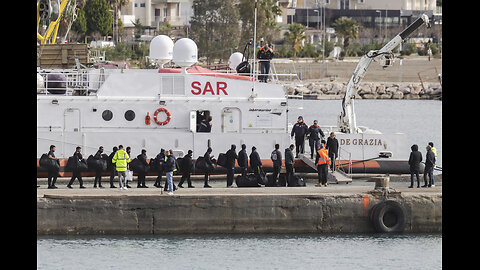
{"x": 152, "y": 13}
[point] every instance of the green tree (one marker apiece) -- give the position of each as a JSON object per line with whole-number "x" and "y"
{"x": 79, "y": 26}
{"x": 267, "y": 10}
{"x": 347, "y": 28}
{"x": 294, "y": 36}
{"x": 214, "y": 27}
{"x": 99, "y": 18}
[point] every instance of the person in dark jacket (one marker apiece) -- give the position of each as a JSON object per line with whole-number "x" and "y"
{"x": 255, "y": 161}
{"x": 141, "y": 174}
{"x": 205, "y": 125}
{"x": 243, "y": 160}
{"x": 289, "y": 162}
{"x": 187, "y": 169}
{"x": 169, "y": 168}
{"x": 276, "y": 158}
{"x": 231, "y": 156}
{"x": 300, "y": 129}
{"x": 52, "y": 175}
{"x": 208, "y": 159}
{"x": 128, "y": 150}
{"x": 332, "y": 147}
{"x": 314, "y": 134}
{"x": 160, "y": 160}
{"x": 414, "y": 162}
{"x": 98, "y": 171}
{"x": 111, "y": 167}
{"x": 76, "y": 173}
{"x": 429, "y": 161}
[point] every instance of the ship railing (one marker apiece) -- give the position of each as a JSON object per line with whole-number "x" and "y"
{"x": 70, "y": 82}
{"x": 344, "y": 161}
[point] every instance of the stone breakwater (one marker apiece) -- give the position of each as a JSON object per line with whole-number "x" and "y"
{"x": 367, "y": 90}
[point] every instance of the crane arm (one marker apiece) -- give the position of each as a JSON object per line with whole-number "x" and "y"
{"x": 346, "y": 120}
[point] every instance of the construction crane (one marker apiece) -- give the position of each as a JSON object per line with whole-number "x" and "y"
{"x": 50, "y": 12}
{"x": 346, "y": 120}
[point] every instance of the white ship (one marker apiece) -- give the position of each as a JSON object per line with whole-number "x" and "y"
{"x": 90, "y": 107}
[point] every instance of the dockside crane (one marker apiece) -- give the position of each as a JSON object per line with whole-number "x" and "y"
{"x": 346, "y": 120}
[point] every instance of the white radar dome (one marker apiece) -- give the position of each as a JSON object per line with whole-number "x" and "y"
{"x": 235, "y": 60}
{"x": 185, "y": 52}
{"x": 161, "y": 49}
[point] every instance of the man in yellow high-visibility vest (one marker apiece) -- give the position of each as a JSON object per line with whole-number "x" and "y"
{"x": 121, "y": 160}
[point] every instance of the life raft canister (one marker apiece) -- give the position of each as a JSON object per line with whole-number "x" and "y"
{"x": 147, "y": 119}
{"x": 162, "y": 123}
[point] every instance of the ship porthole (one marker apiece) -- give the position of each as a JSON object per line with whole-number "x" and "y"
{"x": 107, "y": 115}
{"x": 129, "y": 115}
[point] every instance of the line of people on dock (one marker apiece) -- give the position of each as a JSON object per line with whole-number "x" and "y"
{"x": 120, "y": 162}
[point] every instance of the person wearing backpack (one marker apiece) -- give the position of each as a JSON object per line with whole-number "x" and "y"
{"x": 187, "y": 170}
{"x": 276, "y": 158}
{"x": 76, "y": 173}
{"x": 52, "y": 174}
{"x": 230, "y": 164}
{"x": 289, "y": 159}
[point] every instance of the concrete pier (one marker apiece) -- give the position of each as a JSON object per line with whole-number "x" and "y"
{"x": 332, "y": 209}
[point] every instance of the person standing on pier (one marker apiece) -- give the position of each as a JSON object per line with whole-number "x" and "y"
{"x": 141, "y": 173}
{"x": 111, "y": 167}
{"x": 121, "y": 160}
{"x": 186, "y": 169}
{"x": 231, "y": 156}
{"x": 76, "y": 173}
{"x": 289, "y": 160}
{"x": 98, "y": 170}
{"x": 243, "y": 160}
{"x": 332, "y": 147}
{"x": 52, "y": 174}
{"x": 322, "y": 162}
{"x": 428, "y": 171}
{"x": 208, "y": 159}
{"x": 314, "y": 134}
{"x": 414, "y": 162}
{"x": 276, "y": 158}
{"x": 434, "y": 150}
{"x": 160, "y": 160}
{"x": 300, "y": 129}
{"x": 255, "y": 161}
{"x": 128, "y": 149}
{"x": 169, "y": 167}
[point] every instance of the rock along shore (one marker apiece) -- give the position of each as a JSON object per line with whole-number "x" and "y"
{"x": 366, "y": 90}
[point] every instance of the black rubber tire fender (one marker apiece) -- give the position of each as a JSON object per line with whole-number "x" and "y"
{"x": 389, "y": 217}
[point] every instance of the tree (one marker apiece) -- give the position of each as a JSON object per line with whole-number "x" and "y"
{"x": 347, "y": 28}
{"x": 267, "y": 10}
{"x": 98, "y": 16}
{"x": 214, "y": 27}
{"x": 79, "y": 26}
{"x": 138, "y": 28}
{"x": 295, "y": 35}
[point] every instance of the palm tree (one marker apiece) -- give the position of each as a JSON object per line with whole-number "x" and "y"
{"x": 347, "y": 28}
{"x": 295, "y": 35}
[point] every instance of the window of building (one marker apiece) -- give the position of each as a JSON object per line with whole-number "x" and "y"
{"x": 142, "y": 4}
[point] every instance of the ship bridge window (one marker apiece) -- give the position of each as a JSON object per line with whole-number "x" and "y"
{"x": 129, "y": 115}
{"x": 107, "y": 115}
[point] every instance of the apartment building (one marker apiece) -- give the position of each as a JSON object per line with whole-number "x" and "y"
{"x": 151, "y": 13}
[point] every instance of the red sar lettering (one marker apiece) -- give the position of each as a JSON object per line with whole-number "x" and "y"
{"x": 197, "y": 90}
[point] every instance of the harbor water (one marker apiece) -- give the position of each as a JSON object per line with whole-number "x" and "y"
{"x": 268, "y": 251}
{"x": 419, "y": 119}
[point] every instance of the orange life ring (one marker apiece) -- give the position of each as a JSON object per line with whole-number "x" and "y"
{"x": 162, "y": 123}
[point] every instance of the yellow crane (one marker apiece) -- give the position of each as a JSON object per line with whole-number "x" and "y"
{"x": 51, "y": 12}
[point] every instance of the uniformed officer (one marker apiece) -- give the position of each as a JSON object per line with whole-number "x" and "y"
{"x": 300, "y": 129}
{"x": 314, "y": 135}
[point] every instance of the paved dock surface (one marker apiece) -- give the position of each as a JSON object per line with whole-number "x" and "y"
{"x": 219, "y": 189}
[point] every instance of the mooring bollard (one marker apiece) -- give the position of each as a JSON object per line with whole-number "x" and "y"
{"x": 382, "y": 182}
